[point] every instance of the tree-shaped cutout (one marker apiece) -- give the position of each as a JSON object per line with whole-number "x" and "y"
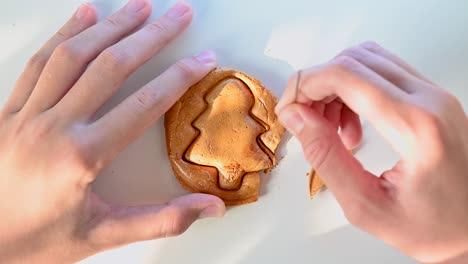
{"x": 228, "y": 135}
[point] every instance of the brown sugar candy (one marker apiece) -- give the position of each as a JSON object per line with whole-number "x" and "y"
{"x": 315, "y": 184}
{"x": 221, "y": 134}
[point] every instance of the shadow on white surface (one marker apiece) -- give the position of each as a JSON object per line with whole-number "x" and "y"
{"x": 142, "y": 174}
{"x": 284, "y": 226}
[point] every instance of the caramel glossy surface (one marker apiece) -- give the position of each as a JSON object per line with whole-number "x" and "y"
{"x": 221, "y": 134}
{"x": 228, "y": 134}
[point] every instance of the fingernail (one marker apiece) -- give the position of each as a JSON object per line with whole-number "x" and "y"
{"x": 211, "y": 211}
{"x": 178, "y": 10}
{"x": 207, "y": 57}
{"x": 136, "y": 5}
{"x": 82, "y": 11}
{"x": 292, "y": 121}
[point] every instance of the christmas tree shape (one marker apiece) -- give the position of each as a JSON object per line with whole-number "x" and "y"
{"x": 228, "y": 135}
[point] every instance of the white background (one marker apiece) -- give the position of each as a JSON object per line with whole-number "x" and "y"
{"x": 269, "y": 40}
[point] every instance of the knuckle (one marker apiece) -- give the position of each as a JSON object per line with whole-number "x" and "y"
{"x": 371, "y": 45}
{"x": 77, "y": 154}
{"x": 111, "y": 22}
{"x": 62, "y": 34}
{"x": 424, "y": 119}
{"x": 428, "y": 128}
{"x": 449, "y": 102}
{"x": 345, "y": 63}
{"x": 177, "y": 222}
{"x": 39, "y": 130}
{"x": 185, "y": 71}
{"x": 68, "y": 53}
{"x": 37, "y": 62}
{"x": 146, "y": 99}
{"x": 429, "y": 120}
{"x": 70, "y": 150}
{"x": 354, "y": 52}
{"x": 158, "y": 27}
{"x": 113, "y": 60}
{"x": 317, "y": 151}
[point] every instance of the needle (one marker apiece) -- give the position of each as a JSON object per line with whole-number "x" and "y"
{"x": 298, "y": 81}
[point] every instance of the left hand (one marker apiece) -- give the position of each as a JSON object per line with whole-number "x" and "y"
{"x": 52, "y": 147}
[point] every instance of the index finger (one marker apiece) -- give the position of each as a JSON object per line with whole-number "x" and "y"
{"x": 128, "y": 120}
{"x": 364, "y": 91}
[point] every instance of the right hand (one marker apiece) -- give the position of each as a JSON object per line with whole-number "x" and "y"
{"x": 418, "y": 206}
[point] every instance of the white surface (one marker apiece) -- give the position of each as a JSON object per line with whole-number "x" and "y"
{"x": 283, "y": 226}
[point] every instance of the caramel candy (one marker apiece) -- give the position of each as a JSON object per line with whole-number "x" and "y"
{"x": 315, "y": 184}
{"x": 221, "y": 134}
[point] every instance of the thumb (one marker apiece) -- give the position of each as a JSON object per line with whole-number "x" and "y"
{"x": 127, "y": 224}
{"x": 341, "y": 172}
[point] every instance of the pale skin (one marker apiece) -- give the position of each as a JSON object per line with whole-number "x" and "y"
{"x": 419, "y": 205}
{"x": 52, "y": 146}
